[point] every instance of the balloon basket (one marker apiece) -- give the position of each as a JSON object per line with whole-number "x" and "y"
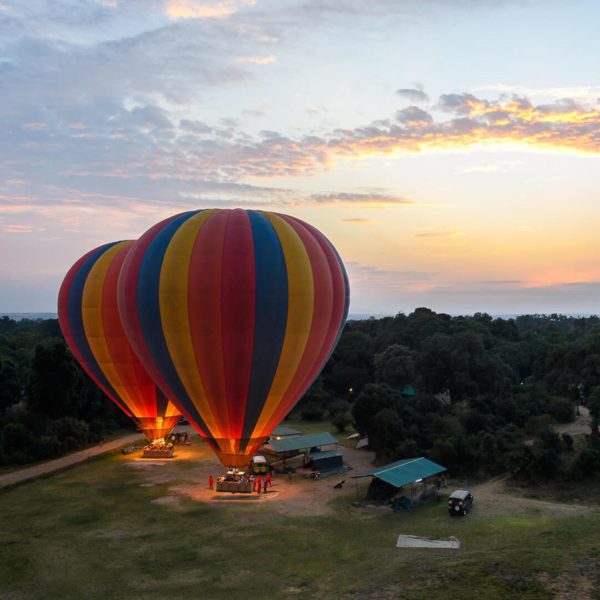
{"x": 159, "y": 449}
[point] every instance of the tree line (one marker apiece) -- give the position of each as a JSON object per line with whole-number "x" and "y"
{"x": 477, "y": 394}
{"x": 48, "y": 405}
{"x": 480, "y": 395}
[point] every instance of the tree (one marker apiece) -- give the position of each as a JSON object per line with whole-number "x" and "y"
{"x": 395, "y": 366}
{"x": 53, "y": 381}
{"x": 373, "y": 398}
{"x": 351, "y": 366}
{"x": 594, "y": 407}
{"x": 385, "y": 431}
{"x": 10, "y": 383}
{"x": 339, "y": 411}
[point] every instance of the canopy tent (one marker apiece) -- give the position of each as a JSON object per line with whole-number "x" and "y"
{"x": 322, "y": 461}
{"x": 388, "y": 478}
{"x": 302, "y": 442}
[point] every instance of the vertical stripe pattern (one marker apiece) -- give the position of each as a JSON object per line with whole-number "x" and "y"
{"x": 233, "y": 313}
{"x": 89, "y": 318}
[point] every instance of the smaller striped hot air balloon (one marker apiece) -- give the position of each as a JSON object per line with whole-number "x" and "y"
{"x": 89, "y": 318}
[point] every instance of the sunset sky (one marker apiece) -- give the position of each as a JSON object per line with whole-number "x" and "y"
{"x": 448, "y": 148}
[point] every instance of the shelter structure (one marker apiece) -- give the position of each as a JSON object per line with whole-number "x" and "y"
{"x": 282, "y": 432}
{"x": 389, "y": 479}
{"x": 298, "y": 443}
{"x": 307, "y": 445}
{"x": 326, "y": 460}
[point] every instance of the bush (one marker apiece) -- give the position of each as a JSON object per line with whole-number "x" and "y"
{"x": 561, "y": 409}
{"x": 588, "y": 463}
{"x": 341, "y": 420}
{"x": 444, "y": 452}
{"x": 537, "y": 424}
{"x": 547, "y": 464}
{"x": 312, "y": 412}
{"x": 568, "y": 441}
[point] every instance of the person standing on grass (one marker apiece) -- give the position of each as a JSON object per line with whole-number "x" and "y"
{"x": 211, "y": 482}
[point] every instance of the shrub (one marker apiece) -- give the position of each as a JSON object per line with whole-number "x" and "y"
{"x": 561, "y": 409}
{"x": 568, "y": 441}
{"x": 588, "y": 463}
{"x": 341, "y": 420}
{"x": 312, "y": 412}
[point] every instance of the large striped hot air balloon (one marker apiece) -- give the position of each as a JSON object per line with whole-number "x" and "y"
{"x": 89, "y": 318}
{"x": 234, "y": 314}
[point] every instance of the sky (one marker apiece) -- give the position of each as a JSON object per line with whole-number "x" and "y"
{"x": 449, "y": 149}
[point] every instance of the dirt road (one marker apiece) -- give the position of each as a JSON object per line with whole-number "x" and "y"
{"x": 492, "y": 497}
{"x": 67, "y": 461}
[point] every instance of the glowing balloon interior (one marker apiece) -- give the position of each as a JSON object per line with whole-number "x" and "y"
{"x": 233, "y": 313}
{"x": 89, "y": 319}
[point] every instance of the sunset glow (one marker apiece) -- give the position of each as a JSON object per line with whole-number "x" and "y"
{"x": 448, "y": 149}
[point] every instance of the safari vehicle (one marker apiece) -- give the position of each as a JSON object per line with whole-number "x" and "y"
{"x": 460, "y": 502}
{"x": 260, "y": 465}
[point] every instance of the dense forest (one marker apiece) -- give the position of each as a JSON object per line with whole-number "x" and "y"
{"x": 479, "y": 395}
{"x": 476, "y": 394}
{"x": 48, "y": 406}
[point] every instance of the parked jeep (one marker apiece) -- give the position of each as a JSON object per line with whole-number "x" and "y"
{"x": 460, "y": 502}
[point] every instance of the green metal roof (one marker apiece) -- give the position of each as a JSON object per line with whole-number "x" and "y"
{"x": 301, "y": 442}
{"x": 324, "y": 454}
{"x": 285, "y": 431}
{"x": 405, "y": 471}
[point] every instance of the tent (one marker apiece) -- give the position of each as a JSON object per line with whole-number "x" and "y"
{"x": 323, "y": 461}
{"x": 388, "y": 479}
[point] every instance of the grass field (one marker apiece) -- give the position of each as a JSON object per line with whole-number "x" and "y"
{"x": 105, "y": 530}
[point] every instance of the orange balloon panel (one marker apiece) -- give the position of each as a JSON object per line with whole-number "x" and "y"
{"x": 234, "y": 314}
{"x": 89, "y": 319}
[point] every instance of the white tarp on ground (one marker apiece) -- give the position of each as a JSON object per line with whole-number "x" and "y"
{"x": 413, "y": 541}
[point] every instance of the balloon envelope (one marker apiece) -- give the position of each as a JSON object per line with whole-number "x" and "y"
{"x": 89, "y": 319}
{"x": 233, "y": 313}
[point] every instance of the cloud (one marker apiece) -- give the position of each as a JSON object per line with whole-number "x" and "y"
{"x": 267, "y": 59}
{"x": 359, "y": 198}
{"x": 581, "y": 93}
{"x": 439, "y": 234}
{"x": 564, "y": 125}
{"x": 196, "y": 9}
{"x": 367, "y": 277}
{"x": 412, "y": 94}
{"x": 21, "y": 228}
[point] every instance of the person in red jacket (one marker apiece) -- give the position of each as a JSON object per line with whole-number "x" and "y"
{"x": 211, "y": 482}
{"x": 267, "y": 481}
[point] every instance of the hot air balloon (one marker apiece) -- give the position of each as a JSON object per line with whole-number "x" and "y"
{"x": 233, "y": 313}
{"x": 89, "y": 318}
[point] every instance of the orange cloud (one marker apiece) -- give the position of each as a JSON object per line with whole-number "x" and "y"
{"x": 565, "y": 124}
{"x": 268, "y": 59}
{"x": 21, "y": 229}
{"x": 193, "y": 9}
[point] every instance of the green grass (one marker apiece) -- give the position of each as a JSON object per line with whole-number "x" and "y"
{"x": 94, "y": 532}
